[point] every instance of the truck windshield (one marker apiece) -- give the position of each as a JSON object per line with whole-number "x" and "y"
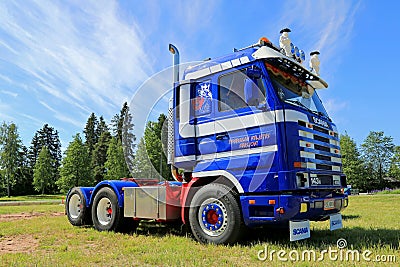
{"x": 296, "y": 92}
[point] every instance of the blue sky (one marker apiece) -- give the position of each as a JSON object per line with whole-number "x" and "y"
{"x": 62, "y": 60}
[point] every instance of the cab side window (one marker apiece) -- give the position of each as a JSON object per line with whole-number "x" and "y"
{"x": 231, "y": 91}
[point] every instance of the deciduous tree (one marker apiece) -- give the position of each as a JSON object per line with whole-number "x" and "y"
{"x": 75, "y": 169}
{"x": 353, "y": 166}
{"x": 377, "y": 151}
{"x": 394, "y": 170}
{"x": 10, "y": 145}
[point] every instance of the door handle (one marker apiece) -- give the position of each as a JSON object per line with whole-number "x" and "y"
{"x": 221, "y": 136}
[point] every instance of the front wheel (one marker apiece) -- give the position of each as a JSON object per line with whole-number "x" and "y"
{"x": 215, "y": 215}
{"x": 107, "y": 215}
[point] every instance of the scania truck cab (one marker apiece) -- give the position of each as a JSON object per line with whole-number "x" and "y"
{"x": 253, "y": 119}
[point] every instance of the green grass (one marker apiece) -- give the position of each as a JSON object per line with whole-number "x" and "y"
{"x": 370, "y": 222}
{"x": 394, "y": 191}
{"x": 33, "y": 198}
{"x": 47, "y": 209}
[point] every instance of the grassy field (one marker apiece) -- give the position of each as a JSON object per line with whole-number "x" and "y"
{"x": 47, "y": 239}
{"x": 33, "y": 198}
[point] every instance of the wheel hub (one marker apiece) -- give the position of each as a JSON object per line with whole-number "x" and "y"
{"x": 75, "y": 206}
{"x": 104, "y": 211}
{"x": 109, "y": 211}
{"x": 213, "y": 217}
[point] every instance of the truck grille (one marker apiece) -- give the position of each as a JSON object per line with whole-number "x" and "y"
{"x": 319, "y": 149}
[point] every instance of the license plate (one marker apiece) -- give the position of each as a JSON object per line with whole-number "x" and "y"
{"x": 329, "y": 204}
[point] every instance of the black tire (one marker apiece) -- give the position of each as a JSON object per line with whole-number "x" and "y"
{"x": 75, "y": 208}
{"x": 107, "y": 215}
{"x": 215, "y": 215}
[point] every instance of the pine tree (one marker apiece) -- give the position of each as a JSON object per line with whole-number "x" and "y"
{"x": 128, "y": 139}
{"x": 101, "y": 127}
{"x": 142, "y": 167}
{"x": 91, "y": 136}
{"x": 75, "y": 169}
{"x": 118, "y": 121}
{"x": 99, "y": 156}
{"x": 48, "y": 137}
{"x": 115, "y": 165}
{"x": 24, "y": 175}
{"x": 34, "y": 150}
{"x": 151, "y": 148}
{"x": 42, "y": 174}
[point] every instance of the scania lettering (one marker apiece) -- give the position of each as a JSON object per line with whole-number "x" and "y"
{"x": 300, "y": 231}
{"x": 249, "y": 144}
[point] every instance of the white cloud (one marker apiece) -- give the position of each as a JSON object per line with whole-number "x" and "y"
{"x": 320, "y": 25}
{"x": 37, "y": 122}
{"x": 337, "y": 110}
{"x": 47, "y": 106}
{"x": 5, "y": 110}
{"x": 5, "y": 78}
{"x": 81, "y": 55}
{"x": 61, "y": 116}
{"x": 334, "y": 106}
{"x": 6, "y": 92}
{"x": 67, "y": 119}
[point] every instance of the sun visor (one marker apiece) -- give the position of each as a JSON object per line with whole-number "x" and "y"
{"x": 290, "y": 66}
{"x": 317, "y": 84}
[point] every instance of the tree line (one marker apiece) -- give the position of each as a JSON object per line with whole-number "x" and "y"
{"x": 100, "y": 152}
{"x": 373, "y": 165}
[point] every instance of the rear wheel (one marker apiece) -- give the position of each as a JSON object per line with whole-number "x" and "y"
{"x": 107, "y": 215}
{"x": 215, "y": 215}
{"x": 77, "y": 212}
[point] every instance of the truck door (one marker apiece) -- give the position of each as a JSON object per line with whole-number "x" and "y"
{"x": 244, "y": 124}
{"x": 203, "y": 106}
{"x": 194, "y": 124}
{"x": 184, "y": 128}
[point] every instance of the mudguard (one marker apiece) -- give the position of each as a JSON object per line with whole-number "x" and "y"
{"x": 116, "y": 185}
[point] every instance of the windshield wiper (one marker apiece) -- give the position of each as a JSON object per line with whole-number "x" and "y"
{"x": 324, "y": 115}
{"x": 297, "y": 102}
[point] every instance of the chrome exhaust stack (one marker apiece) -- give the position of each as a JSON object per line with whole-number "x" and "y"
{"x": 175, "y": 52}
{"x": 171, "y": 138}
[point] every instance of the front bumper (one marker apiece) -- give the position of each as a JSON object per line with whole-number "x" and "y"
{"x": 272, "y": 209}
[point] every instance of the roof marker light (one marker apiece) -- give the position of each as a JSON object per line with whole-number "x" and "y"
{"x": 302, "y": 56}
{"x": 264, "y": 41}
